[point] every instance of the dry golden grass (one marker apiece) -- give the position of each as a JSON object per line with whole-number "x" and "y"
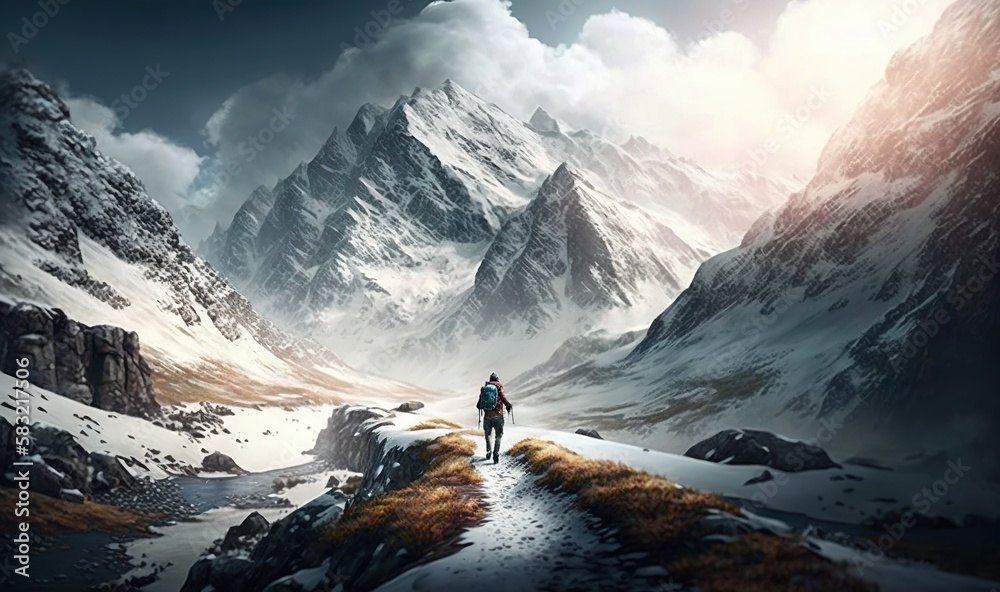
{"x": 429, "y": 512}
{"x": 653, "y": 514}
{"x": 51, "y": 516}
{"x": 435, "y": 424}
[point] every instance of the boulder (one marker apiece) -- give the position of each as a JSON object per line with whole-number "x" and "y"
{"x": 410, "y": 406}
{"x": 589, "y": 433}
{"x": 109, "y": 472}
{"x": 252, "y": 526}
{"x": 221, "y": 463}
{"x": 229, "y": 573}
{"x": 755, "y": 447}
{"x": 333, "y": 482}
{"x": 60, "y": 451}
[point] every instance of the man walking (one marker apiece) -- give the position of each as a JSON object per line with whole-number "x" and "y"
{"x": 492, "y": 402}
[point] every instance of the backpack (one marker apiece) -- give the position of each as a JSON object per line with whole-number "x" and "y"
{"x": 489, "y": 398}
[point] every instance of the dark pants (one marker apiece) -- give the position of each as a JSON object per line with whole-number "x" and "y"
{"x": 490, "y": 424}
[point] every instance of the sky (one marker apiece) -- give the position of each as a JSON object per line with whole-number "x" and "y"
{"x": 174, "y": 89}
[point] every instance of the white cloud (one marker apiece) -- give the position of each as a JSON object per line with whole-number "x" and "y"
{"x": 720, "y": 101}
{"x": 167, "y": 170}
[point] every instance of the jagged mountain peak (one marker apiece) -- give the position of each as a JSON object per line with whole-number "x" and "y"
{"x": 82, "y": 234}
{"x": 564, "y": 183}
{"x": 542, "y": 121}
{"x": 21, "y": 92}
{"x": 851, "y": 304}
{"x": 386, "y": 234}
{"x": 641, "y": 148}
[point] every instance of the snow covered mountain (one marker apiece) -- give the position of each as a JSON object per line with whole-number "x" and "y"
{"x": 865, "y": 311}
{"x": 443, "y": 219}
{"x": 79, "y": 232}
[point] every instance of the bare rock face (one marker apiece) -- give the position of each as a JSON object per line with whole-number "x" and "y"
{"x": 99, "y": 366}
{"x": 343, "y": 443}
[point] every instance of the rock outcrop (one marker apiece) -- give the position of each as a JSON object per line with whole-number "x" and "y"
{"x": 342, "y": 443}
{"x": 754, "y": 447}
{"x": 61, "y": 467}
{"x": 589, "y": 433}
{"x": 351, "y": 440}
{"x": 99, "y": 366}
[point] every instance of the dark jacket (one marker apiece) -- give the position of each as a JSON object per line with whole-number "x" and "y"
{"x": 501, "y": 402}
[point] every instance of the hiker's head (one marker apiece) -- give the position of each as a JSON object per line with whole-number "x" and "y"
{"x": 494, "y": 377}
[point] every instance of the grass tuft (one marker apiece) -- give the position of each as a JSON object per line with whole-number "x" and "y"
{"x": 435, "y": 424}
{"x": 52, "y": 517}
{"x": 655, "y": 515}
{"x": 429, "y": 512}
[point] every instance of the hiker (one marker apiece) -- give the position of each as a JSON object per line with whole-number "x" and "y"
{"x": 491, "y": 404}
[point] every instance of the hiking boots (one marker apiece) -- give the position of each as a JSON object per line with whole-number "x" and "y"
{"x": 496, "y": 457}
{"x": 488, "y": 454}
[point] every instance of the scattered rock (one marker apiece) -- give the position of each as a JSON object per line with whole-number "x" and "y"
{"x": 764, "y": 476}
{"x": 410, "y": 406}
{"x": 72, "y": 495}
{"x": 755, "y": 447}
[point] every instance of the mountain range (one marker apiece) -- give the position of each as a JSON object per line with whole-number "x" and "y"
{"x": 864, "y": 311}
{"x": 443, "y": 224}
{"x": 79, "y": 232}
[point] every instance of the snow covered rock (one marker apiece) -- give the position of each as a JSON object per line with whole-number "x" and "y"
{"x": 252, "y": 526}
{"x": 109, "y": 472}
{"x": 60, "y": 464}
{"x": 755, "y": 447}
{"x": 342, "y": 443}
{"x": 61, "y": 199}
{"x": 410, "y": 406}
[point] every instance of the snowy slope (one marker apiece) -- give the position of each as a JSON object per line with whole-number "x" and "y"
{"x": 78, "y": 231}
{"x": 865, "y": 309}
{"x": 388, "y": 235}
{"x": 555, "y": 546}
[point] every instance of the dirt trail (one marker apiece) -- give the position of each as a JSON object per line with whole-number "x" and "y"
{"x": 532, "y": 540}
